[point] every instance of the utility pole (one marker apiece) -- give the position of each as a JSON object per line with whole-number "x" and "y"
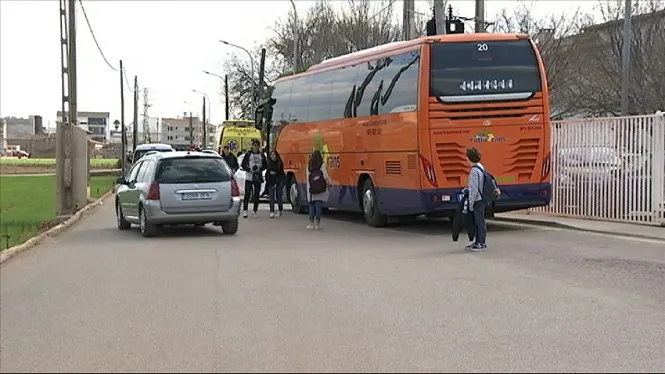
{"x": 440, "y": 16}
{"x": 226, "y": 97}
{"x": 135, "y": 130}
{"x": 66, "y": 144}
{"x": 480, "y": 15}
{"x": 146, "y": 122}
{"x": 296, "y": 37}
{"x": 625, "y": 58}
{"x": 408, "y": 19}
{"x": 191, "y": 131}
{"x": 123, "y": 129}
{"x": 262, "y": 72}
{"x": 204, "y": 141}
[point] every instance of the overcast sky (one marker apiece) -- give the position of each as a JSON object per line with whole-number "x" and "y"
{"x": 166, "y": 43}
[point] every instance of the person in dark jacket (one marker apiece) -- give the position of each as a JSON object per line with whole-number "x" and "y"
{"x": 230, "y": 159}
{"x": 275, "y": 179}
{"x": 253, "y": 163}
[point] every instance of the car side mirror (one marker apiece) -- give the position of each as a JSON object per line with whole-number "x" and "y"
{"x": 120, "y": 180}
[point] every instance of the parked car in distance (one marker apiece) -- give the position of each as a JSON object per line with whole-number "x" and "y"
{"x": 143, "y": 149}
{"x": 177, "y": 188}
{"x": 19, "y": 154}
{"x": 210, "y": 151}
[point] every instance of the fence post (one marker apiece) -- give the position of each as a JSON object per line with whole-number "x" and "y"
{"x": 658, "y": 169}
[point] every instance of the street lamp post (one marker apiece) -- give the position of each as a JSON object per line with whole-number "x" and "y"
{"x": 226, "y": 91}
{"x": 296, "y": 36}
{"x": 205, "y": 129}
{"x": 254, "y": 96}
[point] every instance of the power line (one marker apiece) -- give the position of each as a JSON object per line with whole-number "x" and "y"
{"x": 99, "y": 48}
{"x": 85, "y": 15}
{"x": 124, "y": 73}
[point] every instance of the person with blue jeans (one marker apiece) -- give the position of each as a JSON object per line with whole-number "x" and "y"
{"x": 476, "y": 202}
{"x": 316, "y": 169}
{"x": 275, "y": 178}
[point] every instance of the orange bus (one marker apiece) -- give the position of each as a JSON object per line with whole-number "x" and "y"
{"x": 394, "y": 121}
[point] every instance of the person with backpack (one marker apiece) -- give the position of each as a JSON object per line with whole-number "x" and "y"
{"x": 318, "y": 182}
{"x": 275, "y": 178}
{"x": 482, "y": 191}
{"x": 253, "y": 163}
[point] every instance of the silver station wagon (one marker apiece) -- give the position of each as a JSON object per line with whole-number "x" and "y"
{"x": 178, "y": 188}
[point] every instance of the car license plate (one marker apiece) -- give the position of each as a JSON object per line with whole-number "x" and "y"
{"x": 196, "y": 196}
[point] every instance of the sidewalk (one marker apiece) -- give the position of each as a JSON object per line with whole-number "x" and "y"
{"x": 603, "y": 227}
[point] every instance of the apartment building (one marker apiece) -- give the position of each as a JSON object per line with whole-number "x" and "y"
{"x": 97, "y": 123}
{"x": 176, "y": 131}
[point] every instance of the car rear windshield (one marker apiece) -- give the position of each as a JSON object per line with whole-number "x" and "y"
{"x": 484, "y": 68}
{"x": 192, "y": 170}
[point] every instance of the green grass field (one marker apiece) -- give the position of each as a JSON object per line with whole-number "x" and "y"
{"x": 27, "y": 205}
{"x": 97, "y": 163}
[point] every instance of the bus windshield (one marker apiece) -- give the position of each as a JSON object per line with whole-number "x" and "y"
{"x": 484, "y": 71}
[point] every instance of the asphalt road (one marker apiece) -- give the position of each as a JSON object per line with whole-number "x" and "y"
{"x": 277, "y": 297}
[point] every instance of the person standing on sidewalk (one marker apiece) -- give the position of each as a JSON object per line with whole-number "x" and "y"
{"x": 318, "y": 182}
{"x": 275, "y": 178}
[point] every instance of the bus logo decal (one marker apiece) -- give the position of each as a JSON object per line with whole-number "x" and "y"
{"x": 487, "y": 137}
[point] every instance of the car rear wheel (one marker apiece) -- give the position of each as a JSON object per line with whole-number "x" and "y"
{"x": 120, "y": 218}
{"x": 147, "y": 228}
{"x": 230, "y": 227}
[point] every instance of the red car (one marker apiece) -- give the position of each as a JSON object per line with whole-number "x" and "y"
{"x": 19, "y": 154}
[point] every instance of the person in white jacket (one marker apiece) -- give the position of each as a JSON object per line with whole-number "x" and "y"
{"x": 318, "y": 183}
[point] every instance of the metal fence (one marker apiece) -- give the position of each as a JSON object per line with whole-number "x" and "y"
{"x": 609, "y": 169}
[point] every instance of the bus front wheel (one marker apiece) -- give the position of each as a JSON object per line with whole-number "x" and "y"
{"x": 294, "y": 197}
{"x": 370, "y": 203}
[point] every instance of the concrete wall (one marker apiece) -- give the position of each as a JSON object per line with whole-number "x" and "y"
{"x": 38, "y": 147}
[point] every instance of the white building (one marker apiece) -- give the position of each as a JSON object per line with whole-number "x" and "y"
{"x": 97, "y": 123}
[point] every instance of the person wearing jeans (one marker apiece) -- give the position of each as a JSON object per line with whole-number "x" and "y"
{"x": 253, "y": 163}
{"x": 275, "y": 182}
{"x": 316, "y": 200}
{"x": 476, "y": 202}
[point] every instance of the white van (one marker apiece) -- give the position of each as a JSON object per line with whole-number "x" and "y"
{"x": 143, "y": 149}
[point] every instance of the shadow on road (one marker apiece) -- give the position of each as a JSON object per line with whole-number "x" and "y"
{"x": 421, "y": 225}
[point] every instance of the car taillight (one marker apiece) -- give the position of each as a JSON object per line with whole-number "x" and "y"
{"x": 428, "y": 168}
{"x": 153, "y": 192}
{"x": 235, "y": 190}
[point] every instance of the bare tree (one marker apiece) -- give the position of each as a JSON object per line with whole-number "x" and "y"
{"x": 316, "y": 38}
{"x": 558, "y": 51}
{"x": 364, "y": 24}
{"x": 241, "y": 83}
{"x": 324, "y": 33}
{"x": 599, "y": 92}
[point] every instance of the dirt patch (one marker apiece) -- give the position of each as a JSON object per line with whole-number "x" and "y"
{"x": 45, "y": 226}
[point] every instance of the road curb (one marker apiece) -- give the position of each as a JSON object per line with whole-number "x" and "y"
{"x": 55, "y": 231}
{"x": 548, "y": 223}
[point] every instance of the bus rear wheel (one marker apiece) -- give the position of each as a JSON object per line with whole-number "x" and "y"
{"x": 373, "y": 216}
{"x": 294, "y": 196}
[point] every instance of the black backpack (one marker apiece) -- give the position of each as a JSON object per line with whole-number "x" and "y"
{"x": 317, "y": 183}
{"x": 489, "y": 186}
